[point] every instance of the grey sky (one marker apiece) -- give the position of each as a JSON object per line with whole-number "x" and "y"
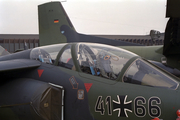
{"x": 88, "y": 16}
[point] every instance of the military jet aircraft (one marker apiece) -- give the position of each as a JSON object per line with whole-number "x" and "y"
{"x": 56, "y": 27}
{"x": 85, "y": 81}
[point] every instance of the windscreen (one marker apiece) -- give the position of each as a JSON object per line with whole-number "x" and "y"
{"x": 143, "y": 73}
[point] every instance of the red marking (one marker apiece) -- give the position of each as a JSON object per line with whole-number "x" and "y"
{"x": 40, "y": 72}
{"x": 68, "y": 60}
{"x": 155, "y": 118}
{"x": 178, "y": 118}
{"x": 87, "y": 86}
{"x": 178, "y": 113}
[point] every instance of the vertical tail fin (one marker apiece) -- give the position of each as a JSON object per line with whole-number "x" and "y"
{"x": 172, "y": 32}
{"x": 172, "y": 37}
{"x": 56, "y": 27}
{"x": 171, "y": 48}
{"x": 51, "y": 17}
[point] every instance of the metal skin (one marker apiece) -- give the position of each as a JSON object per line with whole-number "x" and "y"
{"x": 28, "y": 87}
{"x": 99, "y": 101}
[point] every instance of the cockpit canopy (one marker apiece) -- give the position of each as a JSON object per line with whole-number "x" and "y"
{"x": 102, "y": 60}
{"x": 46, "y": 54}
{"x": 106, "y": 62}
{"x": 41, "y": 55}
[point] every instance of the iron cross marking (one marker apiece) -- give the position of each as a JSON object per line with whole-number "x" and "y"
{"x": 122, "y": 106}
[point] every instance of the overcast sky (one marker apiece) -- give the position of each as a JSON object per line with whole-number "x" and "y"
{"x": 118, "y": 17}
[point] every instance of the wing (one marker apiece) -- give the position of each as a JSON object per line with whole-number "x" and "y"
{"x": 11, "y": 69}
{"x": 18, "y": 64}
